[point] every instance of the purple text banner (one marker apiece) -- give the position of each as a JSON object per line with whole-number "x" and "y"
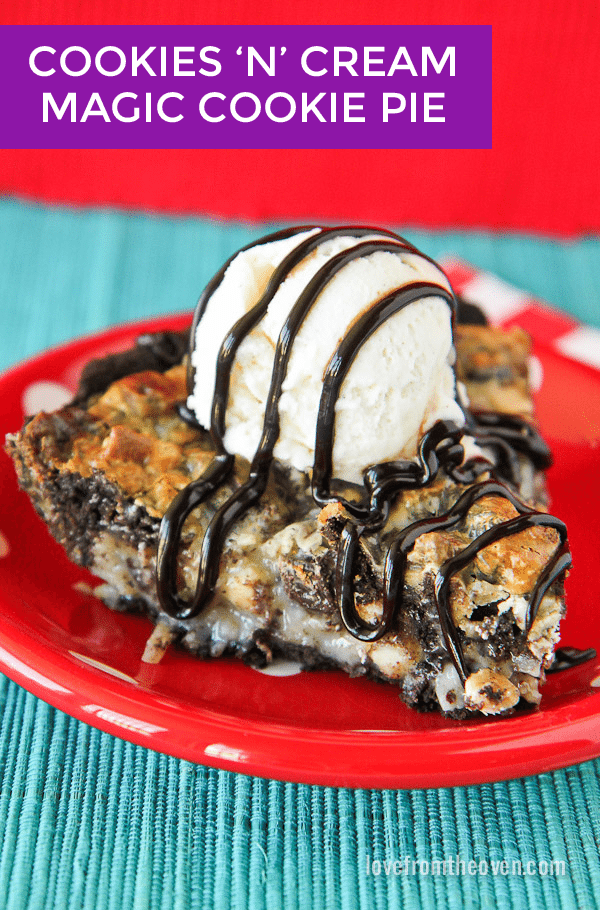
{"x": 277, "y": 87}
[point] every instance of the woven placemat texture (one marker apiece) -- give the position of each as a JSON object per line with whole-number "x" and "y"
{"x": 66, "y": 272}
{"x": 88, "y": 820}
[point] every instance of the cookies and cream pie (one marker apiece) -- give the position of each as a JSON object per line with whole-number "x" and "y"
{"x": 329, "y": 466}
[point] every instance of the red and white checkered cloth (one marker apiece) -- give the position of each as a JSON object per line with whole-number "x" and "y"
{"x": 506, "y": 305}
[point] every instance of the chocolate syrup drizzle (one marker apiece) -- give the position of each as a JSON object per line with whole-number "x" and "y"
{"x": 566, "y": 658}
{"x": 441, "y": 447}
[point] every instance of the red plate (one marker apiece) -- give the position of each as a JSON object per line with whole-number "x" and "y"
{"x": 323, "y": 728}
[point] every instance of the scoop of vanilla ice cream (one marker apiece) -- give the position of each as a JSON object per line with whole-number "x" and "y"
{"x": 400, "y": 382}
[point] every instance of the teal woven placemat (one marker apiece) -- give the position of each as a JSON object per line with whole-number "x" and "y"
{"x": 87, "y": 820}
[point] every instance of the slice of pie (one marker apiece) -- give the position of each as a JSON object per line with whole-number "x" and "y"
{"x": 441, "y": 572}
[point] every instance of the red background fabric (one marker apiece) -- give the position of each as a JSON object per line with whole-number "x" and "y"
{"x": 541, "y": 174}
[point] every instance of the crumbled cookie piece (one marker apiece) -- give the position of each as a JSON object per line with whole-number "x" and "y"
{"x": 490, "y": 692}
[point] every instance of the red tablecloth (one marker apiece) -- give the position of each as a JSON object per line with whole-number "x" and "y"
{"x": 541, "y": 175}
